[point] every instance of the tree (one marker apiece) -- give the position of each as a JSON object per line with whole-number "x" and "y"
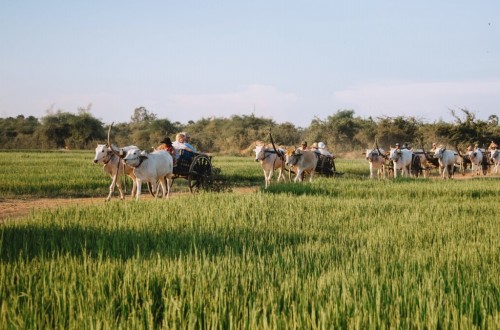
{"x": 339, "y": 130}
{"x": 468, "y": 130}
{"x": 391, "y": 130}
{"x": 67, "y": 130}
{"x": 84, "y": 131}
{"x": 142, "y": 115}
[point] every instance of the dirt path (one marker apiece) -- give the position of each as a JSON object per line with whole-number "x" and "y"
{"x": 16, "y": 208}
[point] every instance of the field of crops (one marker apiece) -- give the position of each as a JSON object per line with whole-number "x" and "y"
{"x": 345, "y": 252}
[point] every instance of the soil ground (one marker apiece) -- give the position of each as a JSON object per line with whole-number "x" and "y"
{"x": 17, "y": 208}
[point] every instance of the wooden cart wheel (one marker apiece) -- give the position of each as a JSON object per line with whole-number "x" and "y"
{"x": 200, "y": 174}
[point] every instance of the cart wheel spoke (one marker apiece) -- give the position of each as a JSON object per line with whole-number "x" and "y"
{"x": 200, "y": 174}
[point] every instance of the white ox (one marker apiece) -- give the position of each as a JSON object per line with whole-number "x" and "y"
{"x": 270, "y": 161}
{"x": 495, "y": 158}
{"x": 376, "y": 158}
{"x": 401, "y": 159}
{"x": 153, "y": 168}
{"x": 113, "y": 166}
{"x": 476, "y": 158}
{"x": 447, "y": 159}
{"x": 303, "y": 162}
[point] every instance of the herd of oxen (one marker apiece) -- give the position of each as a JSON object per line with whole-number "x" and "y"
{"x": 446, "y": 161}
{"x": 156, "y": 168}
{"x": 397, "y": 161}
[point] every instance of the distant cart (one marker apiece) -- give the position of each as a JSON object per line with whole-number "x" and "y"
{"x": 465, "y": 162}
{"x": 326, "y": 165}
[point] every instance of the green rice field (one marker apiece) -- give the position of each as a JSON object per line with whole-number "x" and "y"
{"x": 345, "y": 252}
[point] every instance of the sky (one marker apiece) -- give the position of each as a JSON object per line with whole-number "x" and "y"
{"x": 290, "y": 61}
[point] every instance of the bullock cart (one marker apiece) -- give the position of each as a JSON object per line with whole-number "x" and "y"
{"x": 466, "y": 163}
{"x": 427, "y": 162}
{"x": 326, "y": 165}
{"x": 194, "y": 167}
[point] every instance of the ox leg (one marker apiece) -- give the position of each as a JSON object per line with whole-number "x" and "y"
{"x": 269, "y": 178}
{"x": 281, "y": 174}
{"x": 114, "y": 182}
{"x": 134, "y": 186}
{"x": 169, "y": 182}
{"x": 111, "y": 189}
{"x": 298, "y": 178}
{"x": 163, "y": 184}
{"x": 311, "y": 176}
{"x": 139, "y": 185}
{"x": 265, "y": 179}
{"x": 119, "y": 186}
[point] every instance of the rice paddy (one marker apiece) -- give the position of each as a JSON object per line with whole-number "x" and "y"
{"x": 345, "y": 252}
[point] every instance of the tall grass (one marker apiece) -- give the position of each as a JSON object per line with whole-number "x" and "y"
{"x": 337, "y": 253}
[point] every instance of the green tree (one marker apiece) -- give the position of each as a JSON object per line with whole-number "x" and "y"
{"x": 67, "y": 130}
{"x": 392, "y": 130}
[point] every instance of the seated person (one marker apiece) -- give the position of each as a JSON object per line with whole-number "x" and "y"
{"x": 314, "y": 147}
{"x": 180, "y": 143}
{"x": 303, "y": 146}
{"x": 166, "y": 144}
{"x": 322, "y": 149}
{"x": 187, "y": 141}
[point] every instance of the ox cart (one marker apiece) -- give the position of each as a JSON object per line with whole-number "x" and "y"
{"x": 326, "y": 165}
{"x": 194, "y": 167}
{"x": 466, "y": 163}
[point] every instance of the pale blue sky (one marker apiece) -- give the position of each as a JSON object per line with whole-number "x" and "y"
{"x": 286, "y": 60}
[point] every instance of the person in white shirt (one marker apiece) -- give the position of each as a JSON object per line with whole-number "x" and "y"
{"x": 187, "y": 141}
{"x": 322, "y": 149}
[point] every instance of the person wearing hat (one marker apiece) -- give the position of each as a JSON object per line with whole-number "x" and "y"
{"x": 314, "y": 147}
{"x": 303, "y": 146}
{"x": 166, "y": 144}
{"x": 322, "y": 149}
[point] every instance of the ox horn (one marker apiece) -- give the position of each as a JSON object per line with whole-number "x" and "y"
{"x": 109, "y": 142}
{"x": 379, "y": 152}
{"x": 109, "y": 133}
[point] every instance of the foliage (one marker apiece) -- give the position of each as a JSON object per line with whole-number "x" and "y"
{"x": 341, "y": 131}
{"x": 19, "y": 132}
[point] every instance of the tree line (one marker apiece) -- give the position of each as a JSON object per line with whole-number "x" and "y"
{"x": 342, "y": 131}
